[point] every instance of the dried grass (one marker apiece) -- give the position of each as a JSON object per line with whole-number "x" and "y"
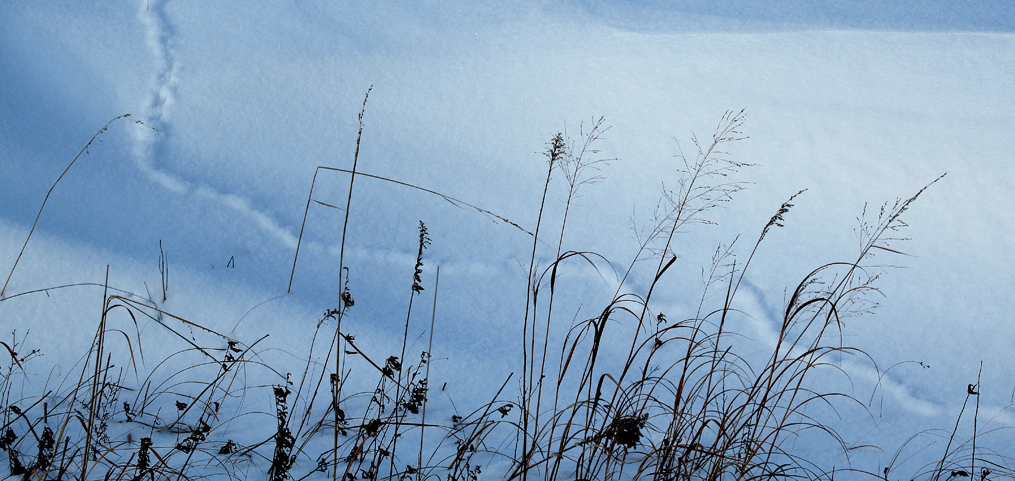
{"x": 674, "y": 400}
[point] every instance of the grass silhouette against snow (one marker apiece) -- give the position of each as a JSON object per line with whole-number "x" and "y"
{"x": 628, "y": 393}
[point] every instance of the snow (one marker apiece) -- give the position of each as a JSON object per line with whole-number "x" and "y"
{"x": 247, "y": 101}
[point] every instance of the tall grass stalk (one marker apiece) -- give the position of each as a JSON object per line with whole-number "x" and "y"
{"x": 574, "y": 165}
{"x": 343, "y": 294}
{"x": 100, "y": 341}
{"x": 416, "y": 288}
{"x": 553, "y": 153}
{"x": 429, "y": 359}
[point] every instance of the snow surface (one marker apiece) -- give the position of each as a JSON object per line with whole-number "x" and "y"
{"x": 248, "y": 99}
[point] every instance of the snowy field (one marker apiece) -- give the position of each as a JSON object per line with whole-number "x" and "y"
{"x": 239, "y": 104}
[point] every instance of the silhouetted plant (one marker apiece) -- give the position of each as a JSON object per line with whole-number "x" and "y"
{"x": 636, "y": 393}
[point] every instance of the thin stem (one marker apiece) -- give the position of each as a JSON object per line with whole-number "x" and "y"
{"x": 304, "y": 223}
{"x": 976, "y": 417}
{"x": 341, "y": 289}
{"x": 555, "y": 151}
{"x": 100, "y": 341}
{"x": 429, "y": 357}
{"x": 50, "y": 191}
